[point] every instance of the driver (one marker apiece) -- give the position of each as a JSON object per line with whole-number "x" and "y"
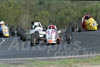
{"x": 86, "y": 17}
{"x": 36, "y": 25}
{"x": 52, "y": 27}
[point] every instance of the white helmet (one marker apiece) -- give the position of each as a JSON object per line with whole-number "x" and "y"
{"x": 36, "y": 24}
{"x": 2, "y": 22}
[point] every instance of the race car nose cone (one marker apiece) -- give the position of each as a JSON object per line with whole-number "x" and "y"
{"x": 6, "y": 35}
{"x": 95, "y": 28}
{"x": 50, "y": 41}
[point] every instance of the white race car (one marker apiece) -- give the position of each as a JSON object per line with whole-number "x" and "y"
{"x": 37, "y": 27}
{"x": 37, "y": 33}
{"x": 52, "y": 35}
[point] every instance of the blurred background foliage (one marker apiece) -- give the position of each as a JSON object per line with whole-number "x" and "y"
{"x": 58, "y": 12}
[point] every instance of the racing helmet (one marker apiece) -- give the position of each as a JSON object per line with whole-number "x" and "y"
{"x": 36, "y": 24}
{"x": 87, "y": 16}
{"x": 51, "y": 27}
{"x": 2, "y": 23}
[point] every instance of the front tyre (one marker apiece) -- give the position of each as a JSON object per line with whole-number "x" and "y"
{"x": 33, "y": 40}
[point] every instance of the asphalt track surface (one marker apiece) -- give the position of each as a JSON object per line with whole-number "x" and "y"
{"x": 84, "y": 43}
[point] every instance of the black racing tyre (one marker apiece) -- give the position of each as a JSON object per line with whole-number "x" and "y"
{"x": 98, "y": 26}
{"x": 69, "y": 37}
{"x": 21, "y": 33}
{"x": 72, "y": 26}
{"x": 37, "y": 34}
{"x": 24, "y": 35}
{"x": 58, "y": 41}
{"x": 33, "y": 40}
{"x": 18, "y": 30}
{"x": 12, "y": 30}
{"x": 48, "y": 44}
{"x": 37, "y": 37}
{"x": 53, "y": 44}
{"x": 79, "y": 28}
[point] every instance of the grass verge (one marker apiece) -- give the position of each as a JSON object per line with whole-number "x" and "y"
{"x": 90, "y": 62}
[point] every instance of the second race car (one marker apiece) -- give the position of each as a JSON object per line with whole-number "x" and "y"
{"x": 4, "y": 30}
{"x": 88, "y": 23}
{"x": 52, "y": 35}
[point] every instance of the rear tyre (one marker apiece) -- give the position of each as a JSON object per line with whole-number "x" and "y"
{"x": 69, "y": 37}
{"x": 24, "y": 35}
{"x": 18, "y": 30}
{"x": 72, "y": 26}
{"x": 53, "y": 43}
{"x": 58, "y": 41}
{"x": 12, "y": 29}
{"x": 79, "y": 28}
{"x": 48, "y": 44}
{"x": 21, "y": 34}
{"x": 98, "y": 26}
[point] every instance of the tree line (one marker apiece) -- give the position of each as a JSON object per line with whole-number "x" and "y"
{"x": 58, "y": 12}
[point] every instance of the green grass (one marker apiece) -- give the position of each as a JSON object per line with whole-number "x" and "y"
{"x": 66, "y": 62}
{"x": 59, "y": 63}
{"x": 7, "y": 65}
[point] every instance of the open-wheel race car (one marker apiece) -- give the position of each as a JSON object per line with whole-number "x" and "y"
{"x": 5, "y": 31}
{"x": 87, "y": 24}
{"x": 36, "y": 33}
{"x": 52, "y": 35}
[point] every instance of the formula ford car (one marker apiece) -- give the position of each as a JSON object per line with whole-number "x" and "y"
{"x": 37, "y": 27}
{"x": 4, "y": 31}
{"x": 35, "y": 32}
{"x": 52, "y": 35}
{"x": 89, "y": 24}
